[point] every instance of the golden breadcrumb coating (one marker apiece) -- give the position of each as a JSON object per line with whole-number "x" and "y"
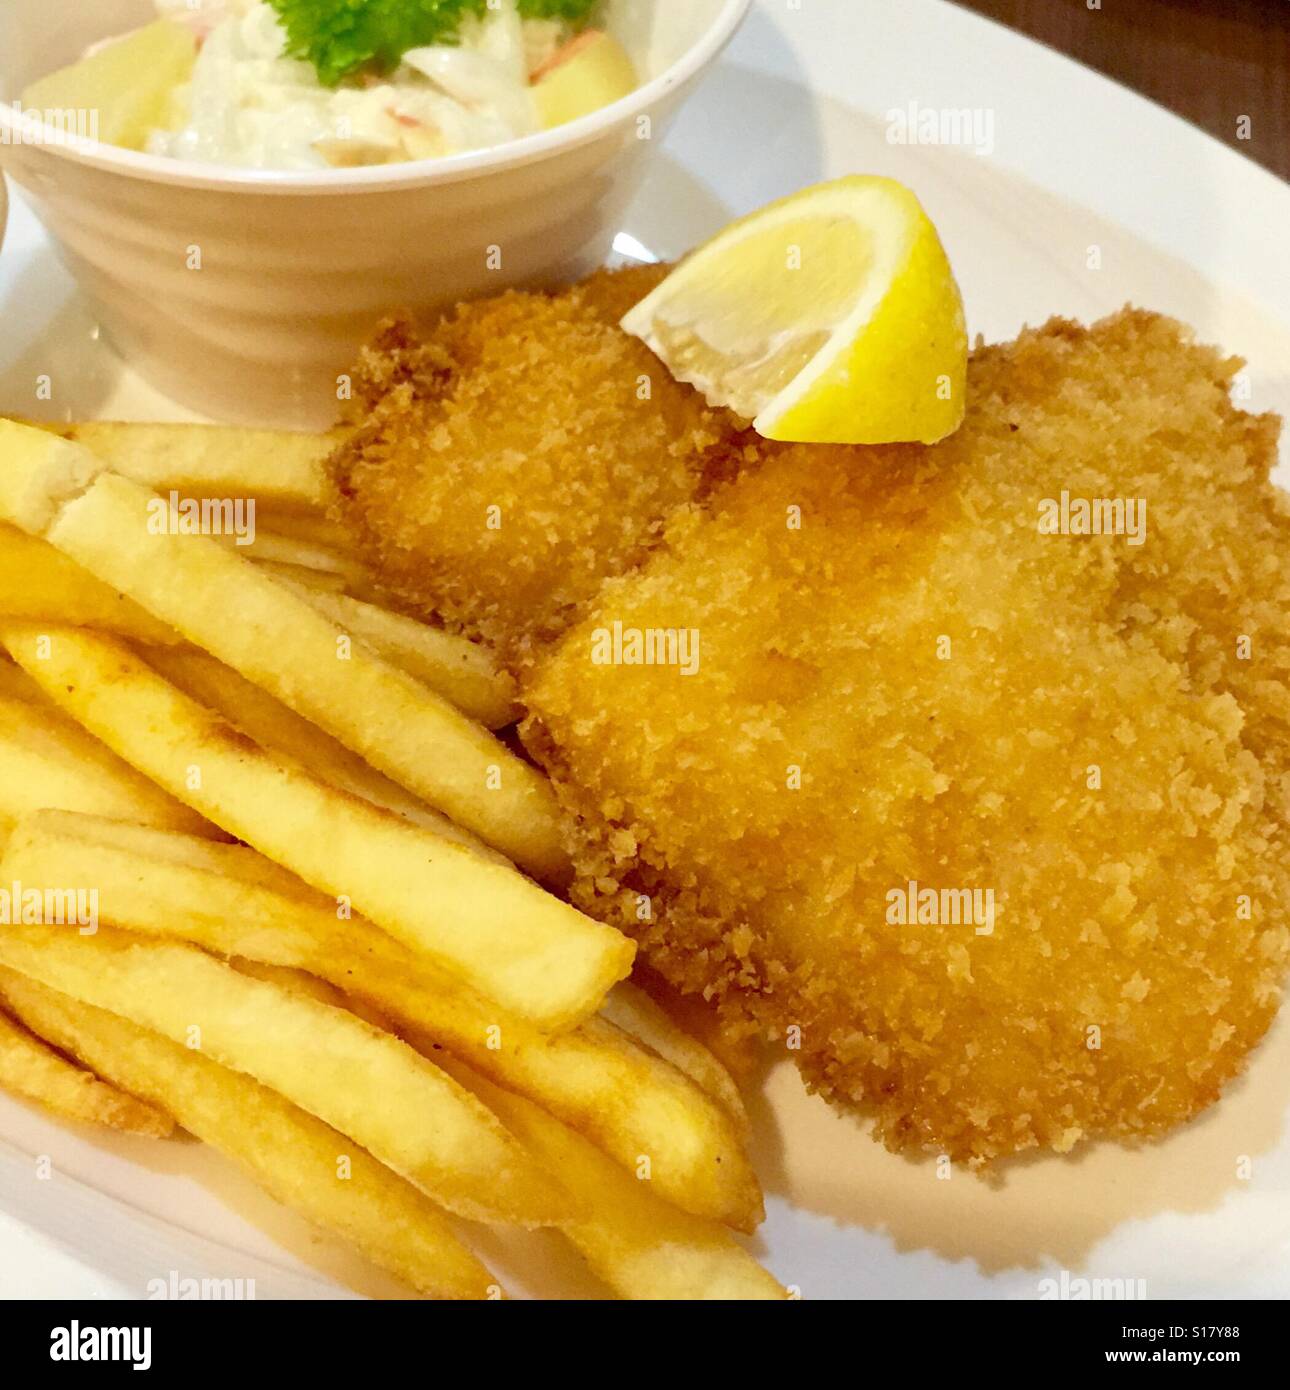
{"x": 519, "y": 453}
{"x": 901, "y": 680}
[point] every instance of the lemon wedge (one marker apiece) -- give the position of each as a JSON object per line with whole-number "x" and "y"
{"x": 829, "y": 317}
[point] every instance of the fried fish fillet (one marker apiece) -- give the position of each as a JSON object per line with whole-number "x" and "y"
{"x": 1079, "y": 744}
{"x": 525, "y": 448}
{"x": 986, "y": 825}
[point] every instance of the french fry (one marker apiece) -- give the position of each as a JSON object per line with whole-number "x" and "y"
{"x": 299, "y": 554}
{"x": 47, "y": 760}
{"x": 31, "y": 1068}
{"x": 50, "y": 834}
{"x": 451, "y": 1030}
{"x": 533, "y": 954}
{"x": 229, "y": 900}
{"x": 37, "y": 581}
{"x": 294, "y": 1156}
{"x": 306, "y": 527}
{"x": 283, "y": 644}
{"x": 640, "y": 1245}
{"x": 312, "y": 580}
{"x": 632, "y": 1010}
{"x": 280, "y": 468}
{"x": 38, "y": 471}
{"x": 16, "y": 684}
{"x": 739, "y": 1052}
{"x": 286, "y": 977}
{"x": 463, "y": 672}
{"x": 365, "y": 1083}
{"x": 280, "y": 730}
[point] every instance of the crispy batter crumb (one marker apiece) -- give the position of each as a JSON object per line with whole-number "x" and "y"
{"x": 521, "y": 451}
{"x": 914, "y": 685}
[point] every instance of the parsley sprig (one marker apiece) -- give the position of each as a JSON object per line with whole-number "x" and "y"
{"x": 344, "y": 37}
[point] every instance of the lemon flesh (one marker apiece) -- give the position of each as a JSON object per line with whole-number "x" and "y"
{"x": 128, "y": 86}
{"x": 831, "y": 317}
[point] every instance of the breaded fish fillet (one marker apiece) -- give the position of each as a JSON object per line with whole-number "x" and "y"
{"x": 986, "y": 824}
{"x": 522, "y": 450}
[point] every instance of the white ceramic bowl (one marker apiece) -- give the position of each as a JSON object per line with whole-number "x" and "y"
{"x": 295, "y": 268}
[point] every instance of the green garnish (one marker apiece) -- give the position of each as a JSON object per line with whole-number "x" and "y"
{"x": 344, "y": 37}
{"x": 571, "y": 11}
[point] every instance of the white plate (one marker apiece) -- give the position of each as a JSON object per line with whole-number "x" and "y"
{"x": 1182, "y": 224}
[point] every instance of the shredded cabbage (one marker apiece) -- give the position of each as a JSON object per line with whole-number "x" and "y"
{"x": 250, "y": 105}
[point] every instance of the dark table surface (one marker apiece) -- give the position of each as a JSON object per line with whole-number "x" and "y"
{"x": 1212, "y": 61}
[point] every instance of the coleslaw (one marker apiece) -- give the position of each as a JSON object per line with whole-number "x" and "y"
{"x": 249, "y": 105}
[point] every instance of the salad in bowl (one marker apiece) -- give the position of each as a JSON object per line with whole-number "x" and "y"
{"x": 312, "y": 84}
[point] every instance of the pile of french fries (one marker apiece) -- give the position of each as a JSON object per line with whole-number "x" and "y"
{"x": 328, "y": 938}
